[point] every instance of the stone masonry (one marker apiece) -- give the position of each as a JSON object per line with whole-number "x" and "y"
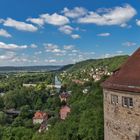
{"x": 121, "y": 123}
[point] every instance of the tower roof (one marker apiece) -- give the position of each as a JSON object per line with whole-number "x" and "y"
{"x": 127, "y": 77}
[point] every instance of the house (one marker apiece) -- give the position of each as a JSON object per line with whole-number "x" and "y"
{"x": 39, "y": 117}
{"x": 64, "y": 96}
{"x": 64, "y": 111}
{"x": 122, "y": 101}
{"x": 29, "y": 85}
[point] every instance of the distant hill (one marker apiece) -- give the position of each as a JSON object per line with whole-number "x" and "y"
{"x": 112, "y": 63}
{"x": 29, "y": 68}
{"x": 66, "y": 67}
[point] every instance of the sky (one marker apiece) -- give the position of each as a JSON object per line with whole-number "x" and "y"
{"x": 60, "y": 32}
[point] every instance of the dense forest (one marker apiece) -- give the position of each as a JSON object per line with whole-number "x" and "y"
{"x": 112, "y": 63}
{"x": 85, "y": 121}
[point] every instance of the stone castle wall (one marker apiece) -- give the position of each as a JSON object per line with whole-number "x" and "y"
{"x": 121, "y": 123}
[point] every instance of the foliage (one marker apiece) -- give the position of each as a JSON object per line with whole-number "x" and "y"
{"x": 85, "y": 122}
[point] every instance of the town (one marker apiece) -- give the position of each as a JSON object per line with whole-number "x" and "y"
{"x": 42, "y": 87}
{"x": 40, "y": 102}
{"x": 41, "y": 117}
{"x": 69, "y": 70}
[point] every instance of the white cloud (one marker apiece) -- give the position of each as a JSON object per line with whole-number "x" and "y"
{"x": 138, "y": 22}
{"x": 37, "y": 53}
{"x": 50, "y": 60}
{"x": 104, "y": 34}
{"x": 4, "y": 33}
{"x": 74, "y": 13}
{"x": 66, "y": 29}
{"x": 24, "y": 59}
{"x": 53, "y": 60}
{"x": 59, "y": 51}
{"x": 53, "y": 48}
{"x": 11, "y": 46}
{"x": 38, "y": 21}
{"x": 19, "y": 25}
{"x": 33, "y": 46}
{"x": 75, "y": 36}
{"x": 129, "y": 44}
{"x": 50, "y": 46}
{"x": 8, "y": 56}
{"x": 21, "y": 59}
{"x": 54, "y": 19}
{"x": 74, "y": 51}
{"x": 35, "y": 61}
{"x": 1, "y": 20}
{"x": 119, "y": 52}
{"x": 56, "y": 50}
{"x": 68, "y": 47}
{"x": 123, "y": 25}
{"x": 72, "y": 54}
{"x": 114, "y": 16}
{"x": 60, "y": 54}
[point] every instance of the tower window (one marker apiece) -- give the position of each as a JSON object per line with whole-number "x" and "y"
{"x": 114, "y": 99}
{"x": 127, "y": 102}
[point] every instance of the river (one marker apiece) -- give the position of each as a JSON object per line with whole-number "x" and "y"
{"x": 57, "y": 83}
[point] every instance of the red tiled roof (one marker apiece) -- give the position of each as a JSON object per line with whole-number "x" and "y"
{"x": 40, "y": 115}
{"x": 127, "y": 78}
{"x": 64, "y": 111}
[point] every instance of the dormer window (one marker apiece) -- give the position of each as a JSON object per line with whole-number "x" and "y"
{"x": 127, "y": 102}
{"x": 114, "y": 99}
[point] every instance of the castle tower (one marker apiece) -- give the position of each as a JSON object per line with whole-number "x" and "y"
{"x": 122, "y": 101}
